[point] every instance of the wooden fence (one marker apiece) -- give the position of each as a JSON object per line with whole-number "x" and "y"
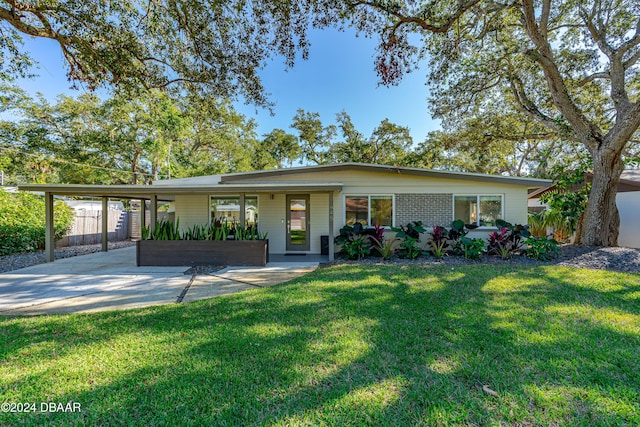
{"x": 87, "y": 228}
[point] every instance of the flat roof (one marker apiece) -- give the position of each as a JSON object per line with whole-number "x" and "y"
{"x": 146, "y": 191}
{"x": 397, "y": 170}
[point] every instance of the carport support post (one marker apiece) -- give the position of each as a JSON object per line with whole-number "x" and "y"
{"x": 153, "y": 212}
{"x": 105, "y": 224}
{"x": 242, "y": 211}
{"x": 331, "y": 245}
{"x": 143, "y": 216}
{"x": 49, "y": 232}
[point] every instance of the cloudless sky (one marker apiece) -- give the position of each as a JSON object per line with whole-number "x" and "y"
{"x": 339, "y": 75}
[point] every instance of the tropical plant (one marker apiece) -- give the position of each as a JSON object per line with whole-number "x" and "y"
{"x": 163, "y": 230}
{"x": 472, "y": 248}
{"x": 357, "y": 246}
{"x": 409, "y": 248}
{"x": 386, "y": 247}
{"x": 457, "y": 231}
{"x": 515, "y": 234}
{"x": 500, "y": 244}
{"x": 413, "y": 230}
{"x": 438, "y": 241}
{"x": 537, "y": 223}
{"x": 542, "y": 248}
{"x": 249, "y": 233}
{"x": 347, "y": 232}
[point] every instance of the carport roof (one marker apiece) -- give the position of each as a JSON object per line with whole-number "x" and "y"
{"x": 146, "y": 191}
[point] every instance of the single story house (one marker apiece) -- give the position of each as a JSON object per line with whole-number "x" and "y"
{"x": 627, "y": 200}
{"x": 297, "y": 206}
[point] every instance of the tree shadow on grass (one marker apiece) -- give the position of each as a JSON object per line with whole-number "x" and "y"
{"x": 365, "y": 345}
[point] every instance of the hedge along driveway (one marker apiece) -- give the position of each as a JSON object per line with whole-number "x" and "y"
{"x": 347, "y": 345}
{"x": 22, "y": 221}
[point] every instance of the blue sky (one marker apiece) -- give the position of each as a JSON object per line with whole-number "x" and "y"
{"x": 339, "y": 75}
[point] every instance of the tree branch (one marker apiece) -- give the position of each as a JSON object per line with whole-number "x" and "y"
{"x": 586, "y": 131}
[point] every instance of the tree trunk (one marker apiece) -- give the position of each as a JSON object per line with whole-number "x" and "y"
{"x": 601, "y": 222}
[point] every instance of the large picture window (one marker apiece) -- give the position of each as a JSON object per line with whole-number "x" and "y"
{"x": 227, "y": 209}
{"x": 369, "y": 210}
{"x": 480, "y": 210}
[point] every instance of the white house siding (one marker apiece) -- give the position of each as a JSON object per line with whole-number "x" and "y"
{"x": 272, "y": 214}
{"x": 319, "y": 203}
{"x": 371, "y": 183}
{"x": 192, "y": 209}
{"x": 272, "y": 219}
{"x": 629, "y": 206}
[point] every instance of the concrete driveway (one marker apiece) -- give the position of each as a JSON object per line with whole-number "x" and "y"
{"x": 111, "y": 280}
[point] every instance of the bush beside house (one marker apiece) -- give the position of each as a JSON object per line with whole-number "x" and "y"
{"x": 358, "y": 242}
{"x": 22, "y": 222}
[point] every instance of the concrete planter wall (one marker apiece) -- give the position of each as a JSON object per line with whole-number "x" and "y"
{"x": 202, "y": 252}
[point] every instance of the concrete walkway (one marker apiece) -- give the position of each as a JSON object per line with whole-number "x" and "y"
{"x": 112, "y": 281}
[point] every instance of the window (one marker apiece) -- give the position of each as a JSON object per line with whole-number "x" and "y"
{"x": 369, "y": 210}
{"x": 227, "y": 209}
{"x": 480, "y": 210}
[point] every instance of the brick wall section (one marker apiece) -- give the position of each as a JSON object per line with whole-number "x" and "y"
{"x": 431, "y": 209}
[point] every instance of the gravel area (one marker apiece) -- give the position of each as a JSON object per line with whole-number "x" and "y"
{"x": 203, "y": 270}
{"x": 614, "y": 259}
{"x": 14, "y": 262}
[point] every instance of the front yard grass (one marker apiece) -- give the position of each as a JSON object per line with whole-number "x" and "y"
{"x": 347, "y": 345}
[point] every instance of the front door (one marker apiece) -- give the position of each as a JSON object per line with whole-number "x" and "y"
{"x": 297, "y": 222}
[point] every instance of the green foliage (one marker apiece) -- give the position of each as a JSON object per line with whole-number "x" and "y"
{"x": 388, "y": 144}
{"x": 457, "y": 231}
{"x": 347, "y": 231}
{"x": 472, "y": 248}
{"x": 166, "y": 230}
{"x": 413, "y": 230}
{"x": 567, "y": 202}
{"x": 134, "y": 45}
{"x": 248, "y": 233}
{"x": 277, "y": 149}
{"x": 537, "y": 223}
{"x": 541, "y": 248}
{"x": 75, "y": 140}
{"x": 438, "y": 241}
{"x": 356, "y": 247}
{"x": 163, "y": 230}
{"x": 386, "y": 247}
{"x": 559, "y": 345}
{"x": 409, "y": 248}
{"x": 22, "y": 222}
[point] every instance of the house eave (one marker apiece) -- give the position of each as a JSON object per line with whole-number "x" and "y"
{"x": 146, "y": 191}
{"x": 396, "y": 170}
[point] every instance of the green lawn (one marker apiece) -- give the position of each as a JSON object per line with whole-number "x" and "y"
{"x": 347, "y": 345}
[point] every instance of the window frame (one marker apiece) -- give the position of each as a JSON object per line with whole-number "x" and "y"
{"x": 230, "y": 196}
{"x": 368, "y": 196}
{"x": 477, "y": 196}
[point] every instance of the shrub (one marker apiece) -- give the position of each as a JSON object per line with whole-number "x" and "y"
{"x": 438, "y": 241}
{"x": 541, "y": 248}
{"x": 356, "y": 247}
{"x": 386, "y": 247}
{"x": 500, "y": 244}
{"x": 163, "y": 230}
{"x": 22, "y": 222}
{"x": 472, "y": 248}
{"x": 410, "y": 249}
{"x": 456, "y": 233}
{"x": 412, "y": 230}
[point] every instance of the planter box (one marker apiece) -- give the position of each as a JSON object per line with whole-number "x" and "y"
{"x": 202, "y": 252}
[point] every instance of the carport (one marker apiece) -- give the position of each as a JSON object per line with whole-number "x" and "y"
{"x": 155, "y": 193}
